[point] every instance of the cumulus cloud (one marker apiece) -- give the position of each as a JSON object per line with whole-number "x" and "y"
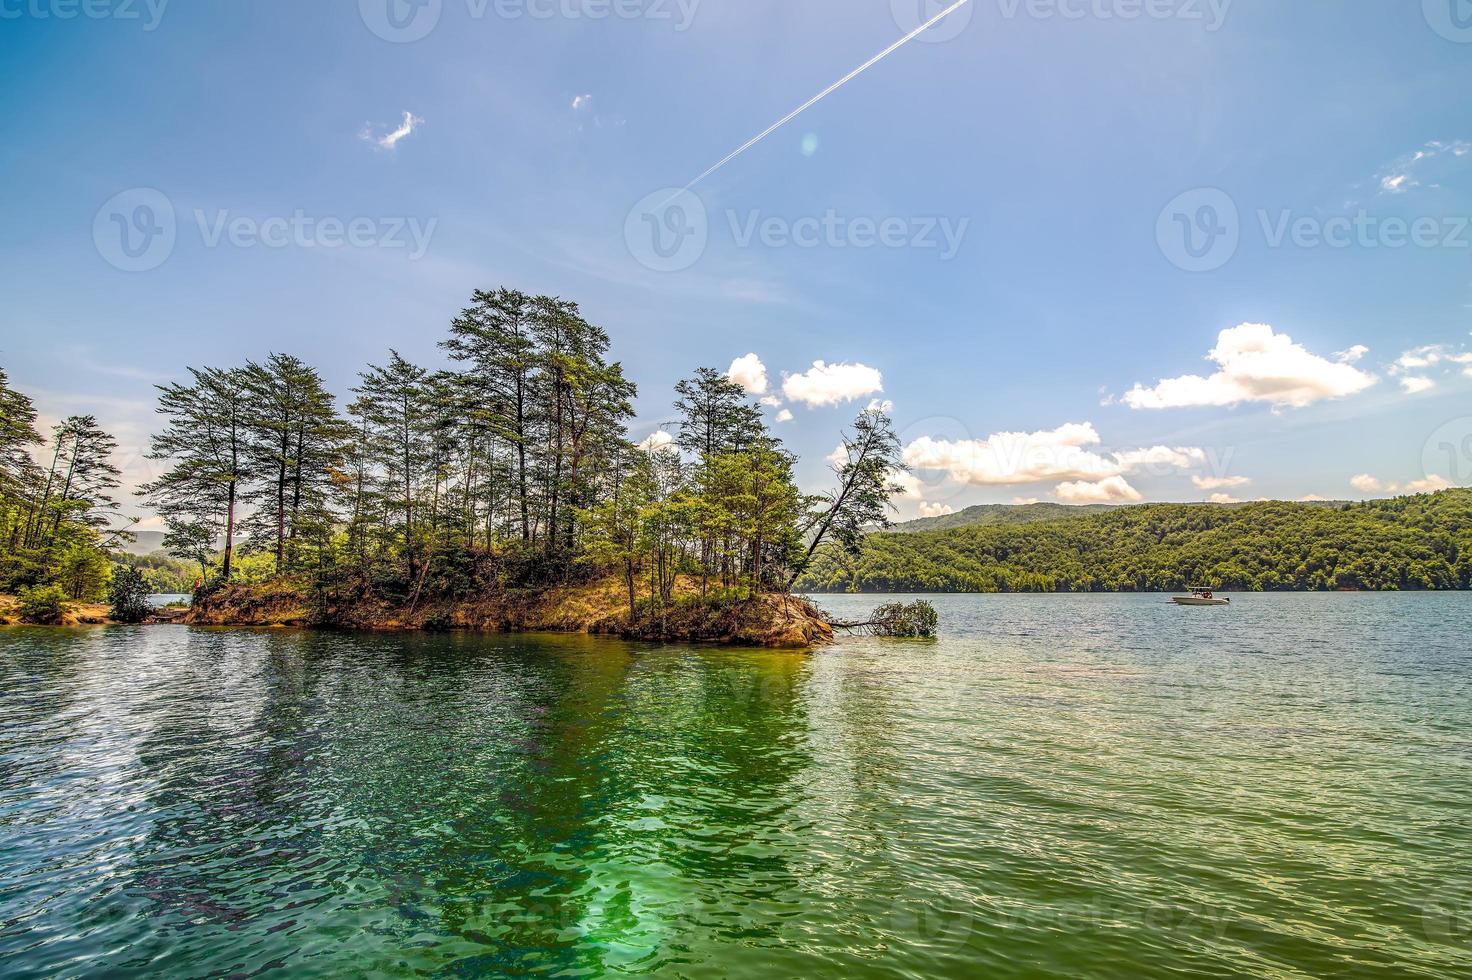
{"x": 389, "y": 140}
{"x": 831, "y": 384}
{"x": 1311, "y": 498}
{"x": 656, "y": 441}
{"x": 750, "y": 373}
{"x": 1223, "y": 498}
{"x": 1365, "y": 483}
{"x": 1110, "y": 490}
{"x": 784, "y": 416}
{"x": 1256, "y": 364}
{"x": 772, "y": 401}
{"x": 1012, "y": 458}
{"x": 1431, "y": 484}
{"x": 1416, "y": 385}
{"x": 1219, "y": 482}
{"x": 936, "y": 510}
{"x": 880, "y": 406}
{"x": 910, "y": 484}
{"x": 1025, "y": 501}
{"x": 1353, "y": 355}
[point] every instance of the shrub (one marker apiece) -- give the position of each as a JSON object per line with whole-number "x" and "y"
{"x": 129, "y": 594}
{"x": 42, "y": 604}
{"x": 918, "y": 620}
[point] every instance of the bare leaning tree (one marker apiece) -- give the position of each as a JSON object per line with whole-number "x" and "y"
{"x": 866, "y": 485}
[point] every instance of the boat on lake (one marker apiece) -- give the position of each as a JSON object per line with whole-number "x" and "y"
{"x": 1201, "y": 596}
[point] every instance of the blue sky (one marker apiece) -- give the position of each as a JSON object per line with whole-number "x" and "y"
{"x": 1066, "y": 147}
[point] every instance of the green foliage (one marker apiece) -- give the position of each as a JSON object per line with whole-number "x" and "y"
{"x": 129, "y": 595}
{"x": 1002, "y": 514}
{"x": 43, "y": 605}
{"x": 1419, "y": 542}
{"x": 917, "y": 620}
{"x": 513, "y": 470}
{"x": 56, "y": 520}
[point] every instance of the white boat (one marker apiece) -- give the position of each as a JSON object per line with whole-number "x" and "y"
{"x": 1201, "y": 596}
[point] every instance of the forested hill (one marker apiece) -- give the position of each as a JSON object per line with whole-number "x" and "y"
{"x": 1001, "y": 514}
{"x": 1421, "y": 542}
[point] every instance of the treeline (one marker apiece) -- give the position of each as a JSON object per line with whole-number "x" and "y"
{"x": 57, "y": 516}
{"x": 1409, "y": 543}
{"x": 511, "y": 467}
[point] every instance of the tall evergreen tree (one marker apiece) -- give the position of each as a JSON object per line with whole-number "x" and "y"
{"x": 207, "y": 442}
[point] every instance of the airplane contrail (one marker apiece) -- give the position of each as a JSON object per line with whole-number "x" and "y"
{"x": 825, "y": 93}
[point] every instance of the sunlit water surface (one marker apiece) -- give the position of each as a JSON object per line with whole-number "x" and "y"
{"x": 1096, "y": 785}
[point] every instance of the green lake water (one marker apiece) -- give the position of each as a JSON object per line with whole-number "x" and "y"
{"x": 1062, "y": 785}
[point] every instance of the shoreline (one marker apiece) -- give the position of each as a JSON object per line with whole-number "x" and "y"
{"x": 769, "y": 620}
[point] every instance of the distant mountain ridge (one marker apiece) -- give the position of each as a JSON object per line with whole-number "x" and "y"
{"x": 1001, "y": 514}
{"x": 1421, "y": 542}
{"x": 990, "y": 514}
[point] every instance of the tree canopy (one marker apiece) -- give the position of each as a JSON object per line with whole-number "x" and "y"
{"x": 1419, "y": 542}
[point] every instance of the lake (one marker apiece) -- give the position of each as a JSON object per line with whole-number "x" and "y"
{"x": 1082, "y": 785}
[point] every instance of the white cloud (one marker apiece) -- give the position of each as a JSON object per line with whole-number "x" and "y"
{"x": 878, "y": 406}
{"x": 772, "y": 401}
{"x": 750, "y": 373}
{"x": 1012, "y": 458}
{"x": 784, "y": 416}
{"x": 1111, "y": 490}
{"x": 1431, "y": 484}
{"x": 1025, "y": 501}
{"x": 1219, "y": 482}
{"x": 1415, "y": 386}
{"x": 1401, "y": 175}
{"x": 656, "y": 441}
{"x": 913, "y": 488}
{"x": 1429, "y": 355}
{"x": 1353, "y": 355}
{"x": 1223, "y": 498}
{"x": 1310, "y": 498}
{"x": 936, "y": 510}
{"x": 1256, "y": 364}
{"x": 831, "y": 384}
{"x": 838, "y": 457}
{"x": 581, "y": 101}
{"x": 1365, "y": 483}
{"x": 390, "y": 140}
